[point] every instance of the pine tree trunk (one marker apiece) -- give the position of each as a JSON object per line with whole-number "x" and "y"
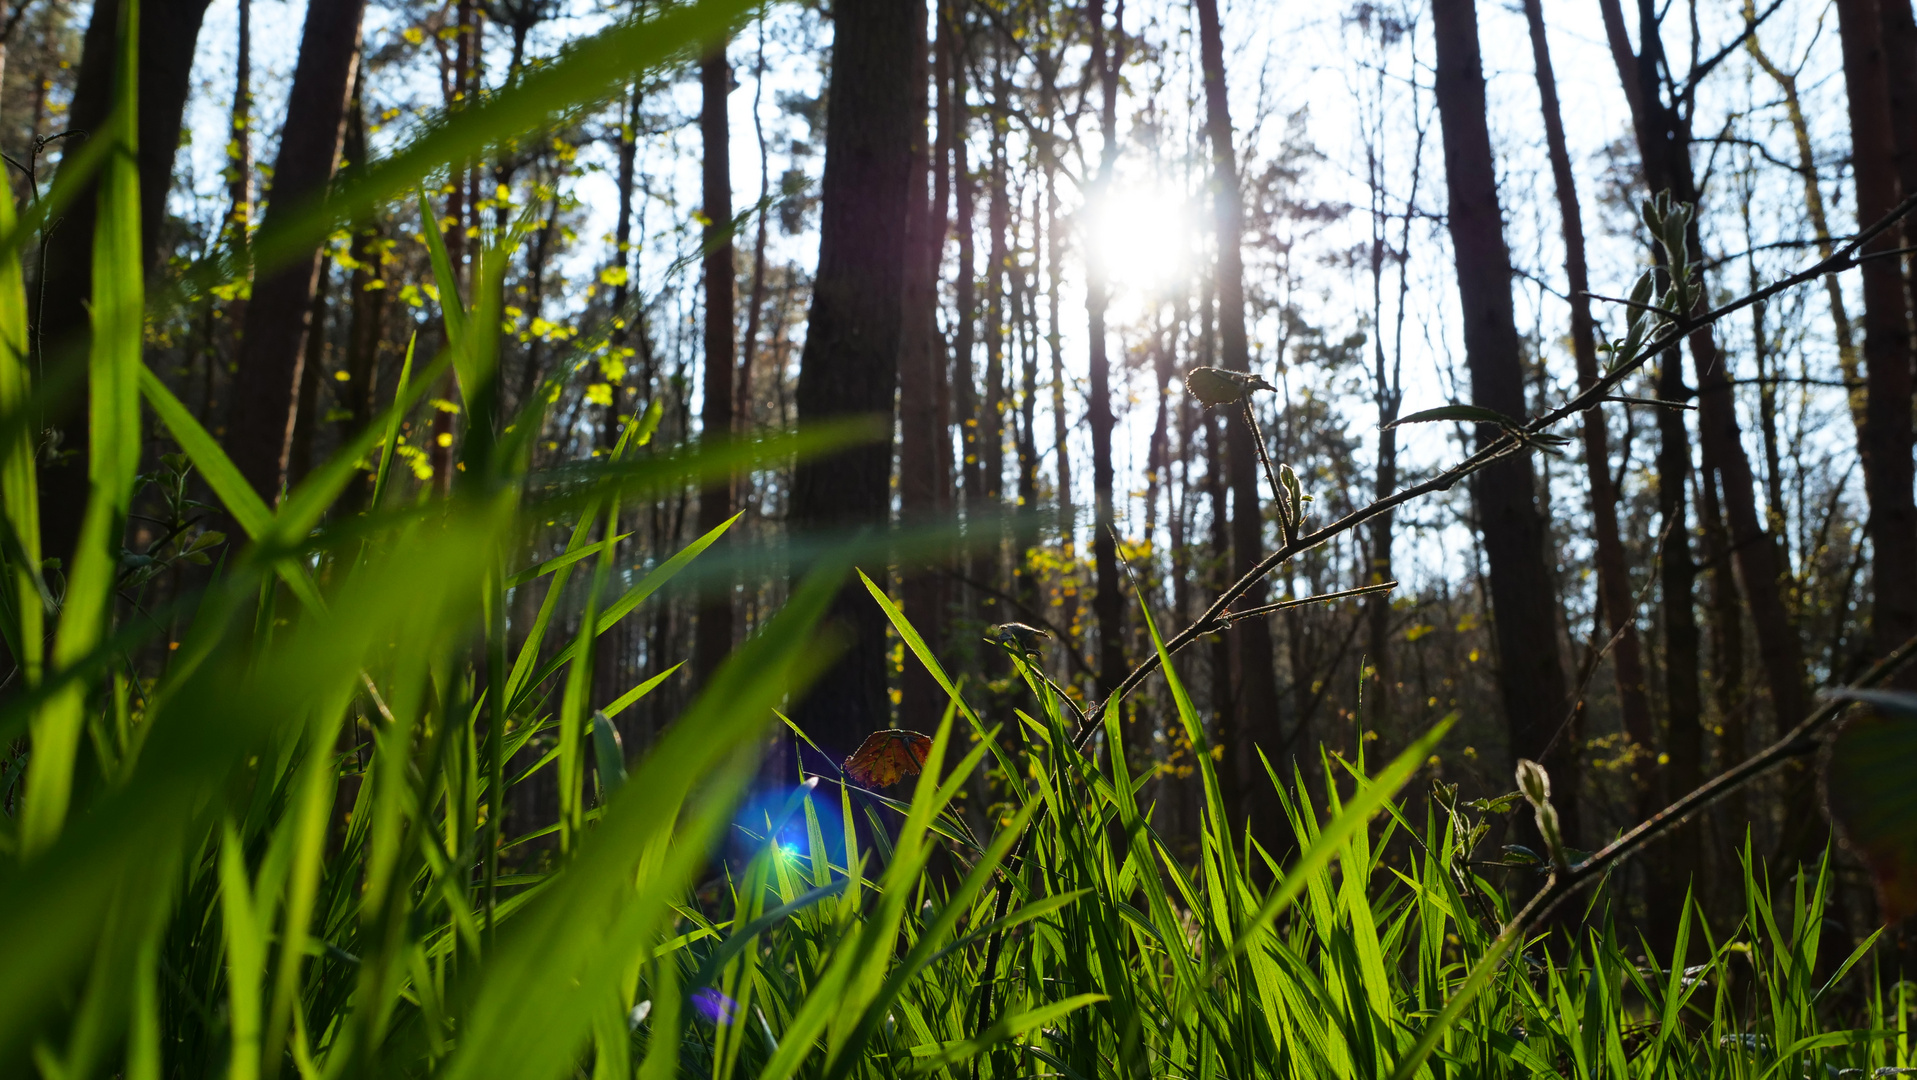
{"x": 850, "y": 364}
{"x": 713, "y": 638}
{"x": 1107, "y": 599}
{"x": 169, "y": 32}
{"x": 265, "y": 393}
{"x": 1886, "y": 443}
{"x": 1255, "y": 731}
{"x": 1516, "y": 542}
{"x": 1614, "y": 578}
{"x": 922, "y": 484}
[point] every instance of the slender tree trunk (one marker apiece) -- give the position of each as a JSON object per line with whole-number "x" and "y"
{"x": 1516, "y": 541}
{"x": 169, "y": 31}
{"x": 239, "y": 150}
{"x": 714, "y": 637}
{"x": 1729, "y": 694}
{"x": 1614, "y": 579}
{"x": 1677, "y": 578}
{"x": 265, "y": 397}
{"x": 964, "y": 336}
{"x": 1107, "y": 599}
{"x": 622, "y": 223}
{"x": 1886, "y": 443}
{"x": 1255, "y": 717}
{"x": 850, "y": 364}
{"x": 755, "y": 302}
{"x": 994, "y": 413}
{"x": 922, "y": 483}
{"x": 1664, "y": 141}
{"x": 1061, "y": 424}
{"x": 1847, "y": 360}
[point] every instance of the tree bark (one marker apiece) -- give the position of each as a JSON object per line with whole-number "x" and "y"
{"x": 1516, "y": 541}
{"x": 169, "y": 31}
{"x": 850, "y": 364}
{"x": 922, "y": 481}
{"x": 1900, "y": 51}
{"x": 265, "y": 397}
{"x": 713, "y": 639}
{"x": 1885, "y": 445}
{"x": 1255, "y": 719}
{"x": 1108, "y": 600}
{"x": 1614, "y": 579}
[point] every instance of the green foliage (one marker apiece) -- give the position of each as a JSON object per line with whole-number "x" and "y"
{"x": 281, "y": 855}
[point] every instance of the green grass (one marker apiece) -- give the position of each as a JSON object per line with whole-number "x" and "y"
{"x": 283, "y": 855}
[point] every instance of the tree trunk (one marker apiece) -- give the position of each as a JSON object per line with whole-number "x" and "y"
{"x": 239, "y": 152}
{"x": 714, "y": 637}
{"x": 1900, "y": 51}
{"x": 1255, "y": 720}
{"x": 1108, "y": 600}
{"x": 169, "y": 31}
{"x": 1847, "y": 360}
{"x": 1885, "y": 446}
{"x": 1677, "y": 578}
{"x": 312, "y": 366}
{"x": 1061, "y": 424}
{"x": 922, "y": 482}
{"x": 1664, "y": 142}
{"x": 964, "y": 294}
{"x": 1614, "y": 578}
{"x": 1516, "y": 541}
{"x": 265, "y": 397}
{"x": 850, "y": 364}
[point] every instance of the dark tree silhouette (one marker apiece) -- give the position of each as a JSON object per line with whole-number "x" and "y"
{"x": 273, "y": 352}
{"x": 849, "y": 368}
{"x": 1516, "y": 543}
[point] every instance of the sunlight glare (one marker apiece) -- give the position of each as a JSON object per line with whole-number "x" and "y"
{"x": 1141, "y": 236}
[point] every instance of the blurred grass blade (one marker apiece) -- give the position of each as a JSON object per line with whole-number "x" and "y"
{"x": 390, "y": 445}
{"x": 19, "y": 484}
{"x": 118, "y": 311}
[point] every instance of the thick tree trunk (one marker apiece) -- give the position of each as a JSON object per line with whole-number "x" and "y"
{"x": 713, "y": 639}
{"x": 1885, "y": 445}
{"x": 265, "y": 396}
{"x": 1900, "y": 52}
{"x": 922, "y": 482}
{"x": 1255, "y": 720}
{"x": 1517, "y": 544}
{"x": 1108, "y": 601}
{"x": 850, "y": 364}
{"x": 169, "y": 30}
{"x": 1614, "y": 579}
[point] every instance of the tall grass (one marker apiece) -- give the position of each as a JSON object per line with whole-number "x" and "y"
{"x": 276, "y": 849}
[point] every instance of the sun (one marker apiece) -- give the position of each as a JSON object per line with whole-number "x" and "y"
{"x": 1140, "y": 235}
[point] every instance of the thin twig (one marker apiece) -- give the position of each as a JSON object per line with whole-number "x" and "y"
{"x": 1230, "y": 617}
